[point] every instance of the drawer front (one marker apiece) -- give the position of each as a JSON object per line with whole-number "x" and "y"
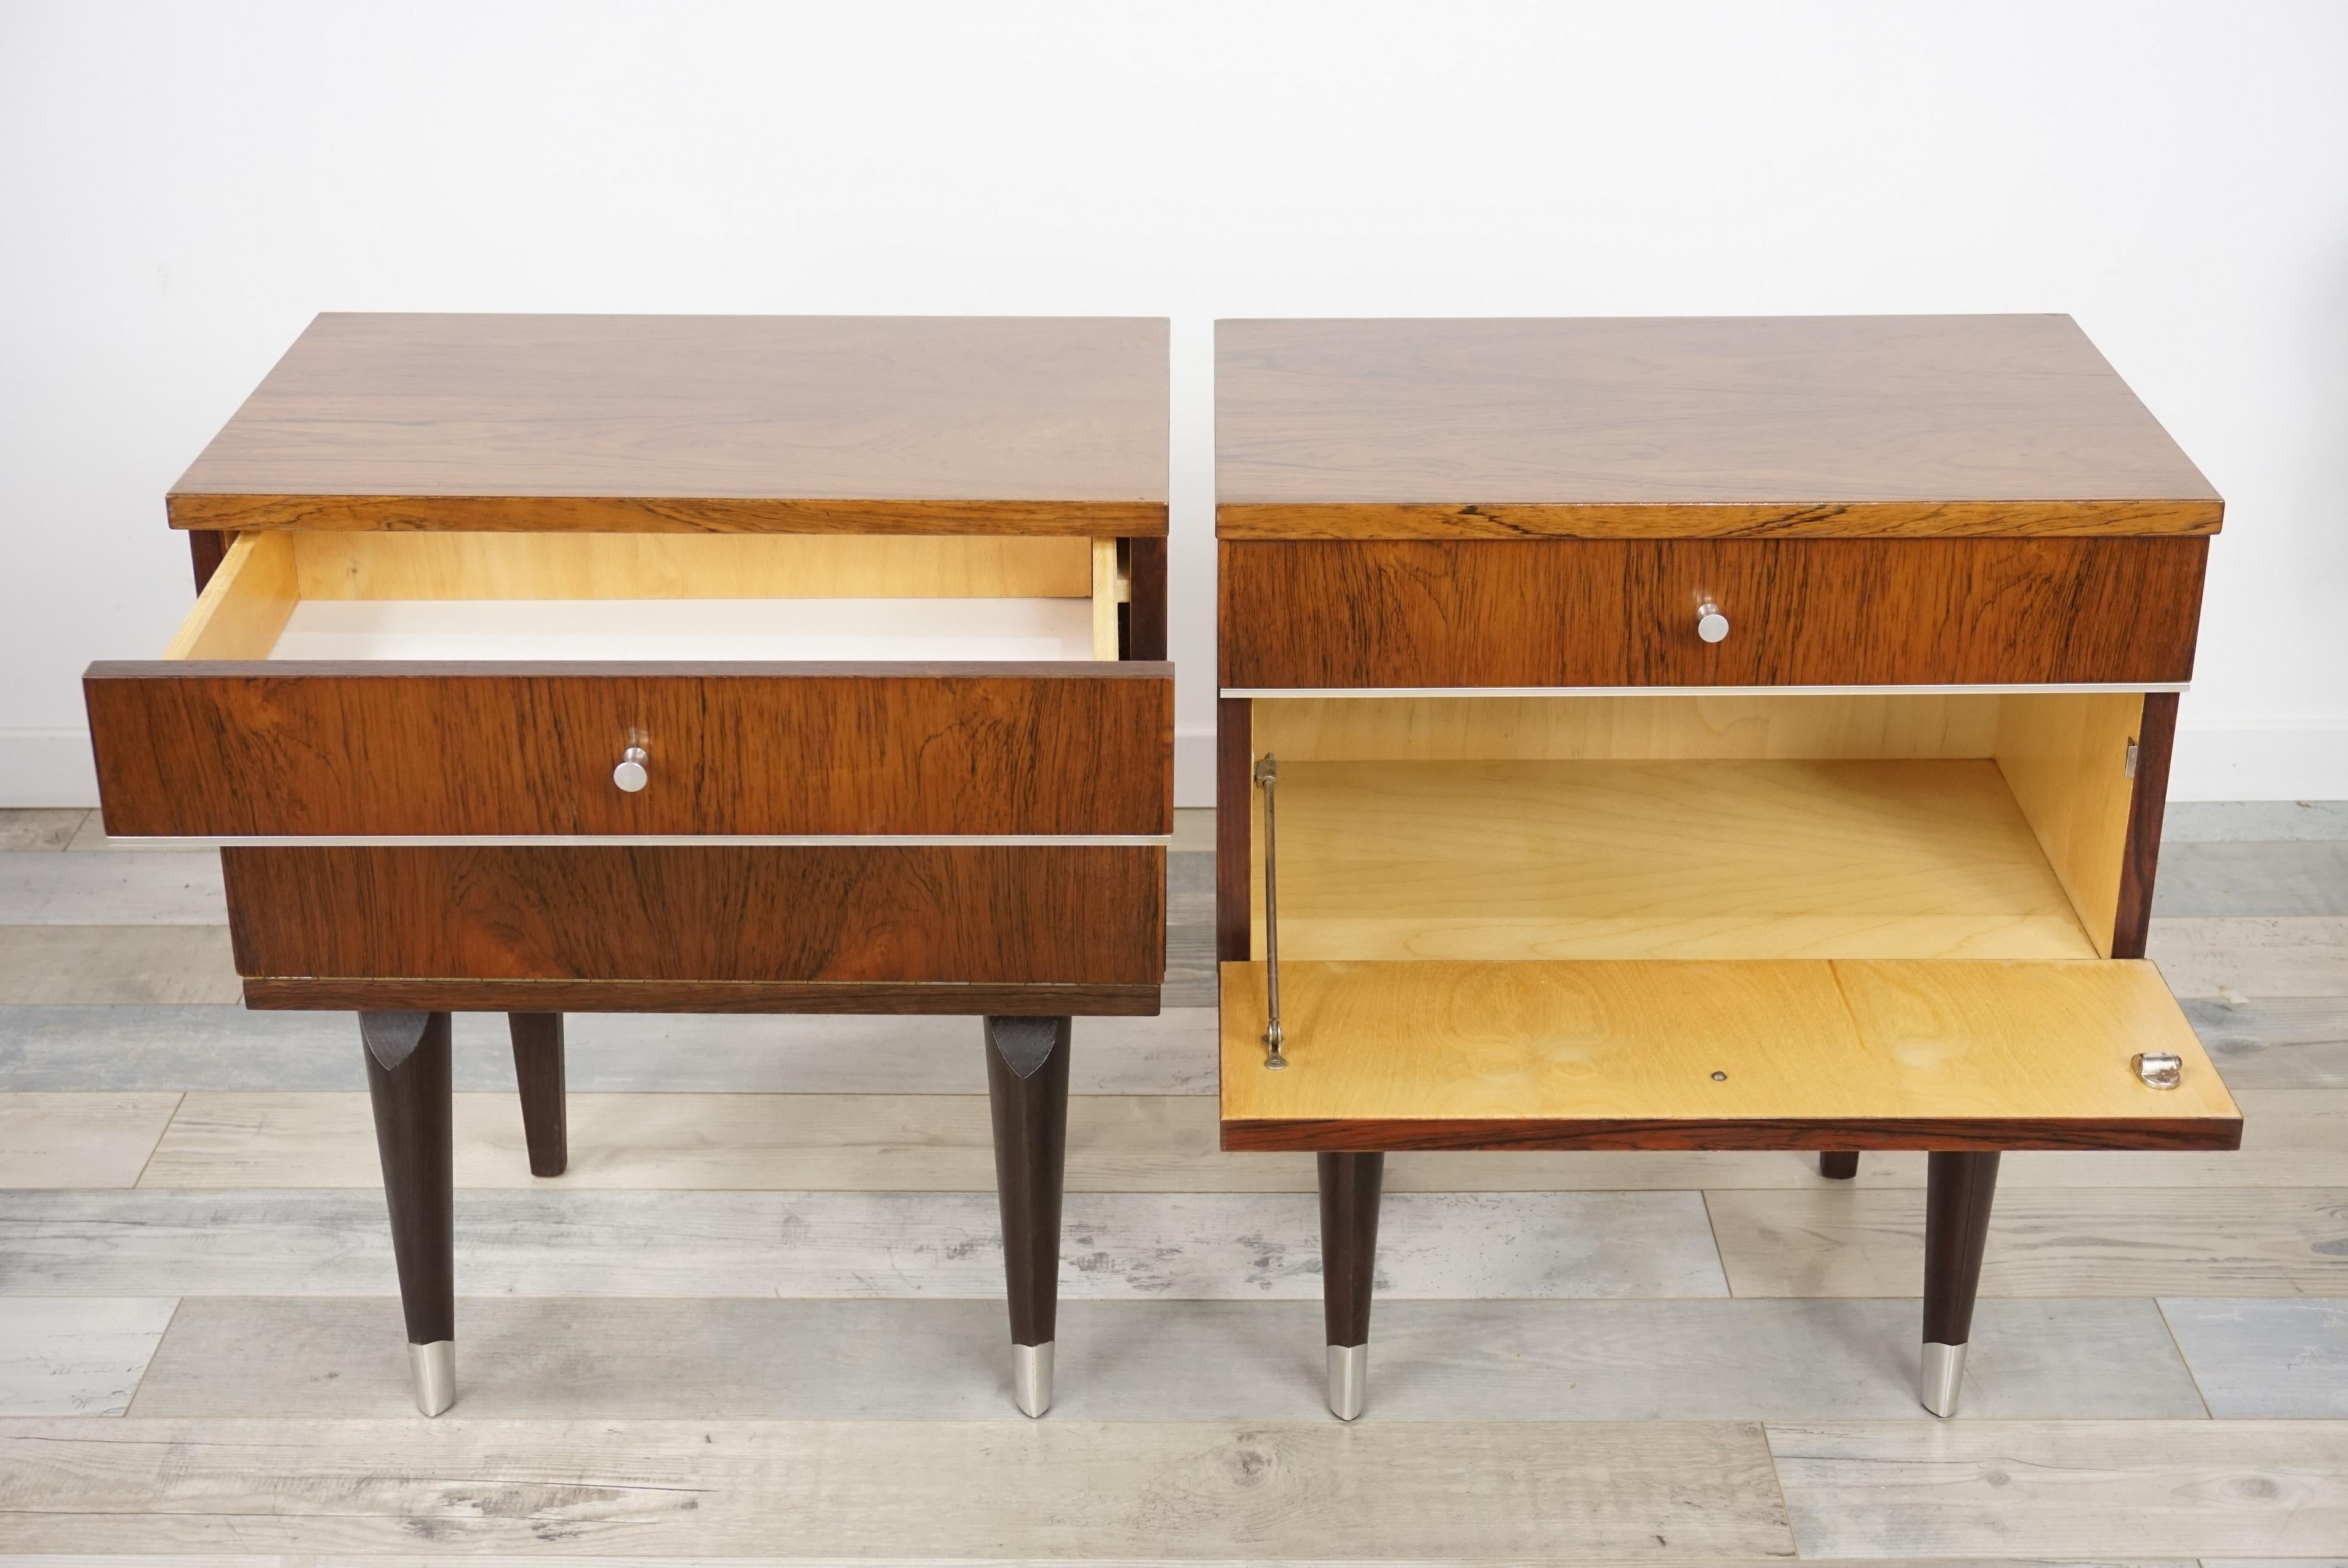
{"x": 1023, "y": 915}
{"x": 234, "y": 749}
{"x": 1624, "y": 612}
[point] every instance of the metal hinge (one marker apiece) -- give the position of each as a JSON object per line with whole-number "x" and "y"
{"x": 1267, "y": 776}
{"x": 2127, "y": 763}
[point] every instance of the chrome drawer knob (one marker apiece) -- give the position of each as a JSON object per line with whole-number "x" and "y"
{"x": 1710, "y": 624}
{"x": 630, "y": 774}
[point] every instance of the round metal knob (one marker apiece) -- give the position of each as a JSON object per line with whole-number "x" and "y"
{"x": 630, "y": 774}
{"x": 1710, "y": 624}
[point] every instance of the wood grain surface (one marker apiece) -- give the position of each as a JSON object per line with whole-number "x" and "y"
{"x": 698, "y": 425}
{"x": 352, "y": 565}
{"x": 193, "y": 748}
{"x": 1705, "y": 860}
{"x": 2140, "y": 858}
{"x": 1818, "y": 1054}
{"x": 1662, "y": 727}
{"x": 934, "y": 1490}
{"x": 1623, "y": 612}
{"x": 1007, "y": 916}
{"x": 1792, "y": 426}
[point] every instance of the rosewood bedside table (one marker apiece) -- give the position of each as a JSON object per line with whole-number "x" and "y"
{"x": 734, "y": 664}
{"x": 1697, "y": 734}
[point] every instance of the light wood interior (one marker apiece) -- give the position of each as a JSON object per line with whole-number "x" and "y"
{"x": 245, "y": 606}
{"x": 265, "y": 576}
{"x": 1619, "y": 728}
{"x": 1800, "y": 1042}
{"x": 1879, "y": 826}
{"x": 343, "y": 564}
{"x": 2065, "y": 758}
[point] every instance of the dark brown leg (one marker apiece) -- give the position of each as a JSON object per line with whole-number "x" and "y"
{"x": 1349, "y": 1266}
{"x": 1957, "y": 1195}
{"x": 1027, "y": 1083}
{"x": 207, "y": 548}
{"x": 538, "y": 1066}
{"x": 1838, "y": 1164}
{"x": 408, "y": 1077}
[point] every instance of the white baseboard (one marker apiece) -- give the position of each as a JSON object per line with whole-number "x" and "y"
{"x": 2214, "y": 760}
{"x": 46, "y": 767}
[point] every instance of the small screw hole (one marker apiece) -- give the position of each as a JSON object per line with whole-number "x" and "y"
{"x": 1720, "y": 1078}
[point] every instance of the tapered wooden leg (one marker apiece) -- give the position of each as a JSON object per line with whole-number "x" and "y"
{"x": 1838, "y": 1164}
{"x": 538, "y": 1066}
{"x": 1958, "y": 1192}
{"x": 1027, "y": 1083}
{"x": 1350, "y": 1184}
{"x": 407, "y": 1078}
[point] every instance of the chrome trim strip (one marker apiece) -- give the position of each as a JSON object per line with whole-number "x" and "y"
{"x": 631, "y": 841}
{"x": 1985, "y": 690}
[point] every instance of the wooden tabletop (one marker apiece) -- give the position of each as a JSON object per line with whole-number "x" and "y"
{"x": 721, "y": 423}
{"x": 1688, "y": 425}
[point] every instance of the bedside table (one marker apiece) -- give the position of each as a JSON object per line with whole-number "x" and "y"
{"x": 739, "y": 664}
{"x": 1738, "y": 733}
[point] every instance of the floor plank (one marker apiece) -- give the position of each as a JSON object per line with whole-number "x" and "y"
{"x": 791, "y": 1142}
{"x": 2067, "y": 1487}
{"x": 2252, "y": 878}
{"x": 320, "y": 1358}
{"x": 229, "y": 1048}
{"x": 66, "y": 1356}
{"x": 141, "y": 964}
{"x": 2078, "y": 1243}
{"x": 2257, "y": 1358}
{"x": 79, "y": 1139}
{"x": 1114, "y": 1246}
{"x": 141, "y": 889}
{"x": 1662, "y": 1492}
{"x": 2288, "y": 1043}
{"x": 40, "y": 827}
{"x": 2218, "y": 821}
{"x": 2252, "y": 955}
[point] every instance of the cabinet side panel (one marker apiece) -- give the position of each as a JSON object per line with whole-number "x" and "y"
{"x": 2064, "y": 756}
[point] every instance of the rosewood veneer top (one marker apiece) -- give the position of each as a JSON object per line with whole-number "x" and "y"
{"x": 719, "y": 424}
{"x": 1694, "y": 426}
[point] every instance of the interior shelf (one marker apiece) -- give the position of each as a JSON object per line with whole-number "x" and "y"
{"x": 1716, "y": 858}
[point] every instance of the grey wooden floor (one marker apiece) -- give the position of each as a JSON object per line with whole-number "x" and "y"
{"x": 760, "y": 1319}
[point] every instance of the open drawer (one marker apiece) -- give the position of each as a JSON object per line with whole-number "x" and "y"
{"x": 1843, "y": 922}
{"x": 337, "y": 684}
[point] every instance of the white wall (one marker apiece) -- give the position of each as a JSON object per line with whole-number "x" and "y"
{"x": 181, "y": 188}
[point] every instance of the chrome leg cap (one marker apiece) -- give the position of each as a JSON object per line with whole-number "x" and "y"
{"x": 1349, "y": 1379}
{"x": 434, "y": 1368}
{"x": 1943, "y": 1378}
{"x": 1031, "y": 1377}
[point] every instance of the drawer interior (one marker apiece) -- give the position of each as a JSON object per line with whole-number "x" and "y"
{"x": 1865, "y": 826}
{"x": 292, "y": 594}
